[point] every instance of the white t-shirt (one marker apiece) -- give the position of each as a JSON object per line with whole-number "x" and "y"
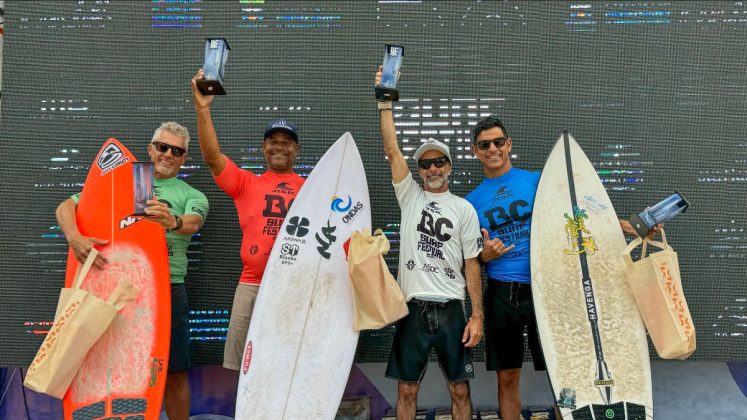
{"x": 438, "y": 232}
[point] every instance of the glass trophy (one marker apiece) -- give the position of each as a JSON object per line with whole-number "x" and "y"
{"x": 386, "y": 90}
{"x": 216, "y": 53}
{"x": 660, "y": 212}
{"x": 142, "y": 182}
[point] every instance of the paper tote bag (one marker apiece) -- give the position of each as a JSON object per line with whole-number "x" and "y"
{"x": 656, "y": 284}
{"x": 377, "y": 299}
{"x": 80, "y": 320}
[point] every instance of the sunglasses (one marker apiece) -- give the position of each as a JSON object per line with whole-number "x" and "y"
{"x": 163, "y": 148}
{"x": 439, "y": 162}
{"x": 485, "y": 144}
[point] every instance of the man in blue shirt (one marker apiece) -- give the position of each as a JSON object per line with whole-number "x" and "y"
{"x": 504, "y": 202}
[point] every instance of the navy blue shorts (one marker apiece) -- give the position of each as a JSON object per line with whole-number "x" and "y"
{"x": 179, "y": 359}
{"x": 435, "y": 325}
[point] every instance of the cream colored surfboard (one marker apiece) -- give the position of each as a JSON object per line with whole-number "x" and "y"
{"x": 592, "y": 336}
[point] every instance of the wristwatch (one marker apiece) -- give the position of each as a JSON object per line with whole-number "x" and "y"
{"x": 178, "y": 223}
{"x": 384, "y": 105}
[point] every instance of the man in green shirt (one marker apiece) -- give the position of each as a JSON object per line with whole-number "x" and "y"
{"x": 180, "y": 210}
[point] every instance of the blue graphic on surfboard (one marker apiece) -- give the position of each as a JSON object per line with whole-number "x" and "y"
{"x": 592, "y": 335}
{"x": 301, "y": 341}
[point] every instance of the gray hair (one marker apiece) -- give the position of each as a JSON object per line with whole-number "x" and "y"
{"x": 173, "y": 128}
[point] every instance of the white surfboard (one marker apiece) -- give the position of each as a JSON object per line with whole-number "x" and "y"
{"x": 301, "y": 341}
{"x": 592, "y": 336}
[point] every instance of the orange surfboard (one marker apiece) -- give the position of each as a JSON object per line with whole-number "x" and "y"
{"x": 124, "y": 374}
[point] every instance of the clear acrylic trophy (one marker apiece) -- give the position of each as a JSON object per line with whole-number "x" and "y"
{"x": 216, "y": 53}
{"x": 142, "y": 183}
{"x": 386, "y": 91}
{"x": 660, "y": 212}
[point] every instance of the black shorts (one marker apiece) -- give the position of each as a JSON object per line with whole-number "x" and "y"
{"x": 430, "y": 325}
{"x": 509, "y": 309}
{"x": 179, "y": 359}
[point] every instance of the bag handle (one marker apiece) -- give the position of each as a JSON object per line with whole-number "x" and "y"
{"x": 82, "y": 272}
{"x": 124, "y": 293}
{"x": 383, "y": 241}
{"x": 663, "y": 244}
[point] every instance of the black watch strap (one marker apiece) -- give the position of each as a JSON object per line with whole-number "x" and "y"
{"x": 178, "y": 223}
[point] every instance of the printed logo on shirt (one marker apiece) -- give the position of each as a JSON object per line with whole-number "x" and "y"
{"x": 433, "y": 234}
{"x": 199, "y": 211}
{"x": 410, "y": 265}
{"x": 449, "y": 273}
{"x": 503, "y": 193}
{"x": 110, "y": 158}
{"x": 430, "y": 268}
{"x": 517, "y": 212}
{"x": 284, "y": 188}
{"x": 275, "y": 206}
{"x": 433, "y": 207}
{"x": 274, "y": 212}
{"x": 326, "y": 241}
{"x": 272, "y": 227}
{"x": 480, "y": 243}
{"x": 253, "y": 249}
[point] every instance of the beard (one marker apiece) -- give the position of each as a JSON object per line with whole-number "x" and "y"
{"x": 436, "y": 182}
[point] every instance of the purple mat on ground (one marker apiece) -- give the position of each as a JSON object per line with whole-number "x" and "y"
{"x": 17, "y": 402}
{"x": 213, "y": 392}
{"x": 739, "y": 373}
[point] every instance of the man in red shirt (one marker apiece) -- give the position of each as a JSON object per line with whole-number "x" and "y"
{"x": 262, "y": 201}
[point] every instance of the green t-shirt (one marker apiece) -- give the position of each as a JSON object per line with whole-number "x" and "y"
{"x": 182, "y": 199}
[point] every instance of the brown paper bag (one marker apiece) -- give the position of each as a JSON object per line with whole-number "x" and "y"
{"x": 80, "y": 320}
{"x": 377, "y": 299}
{"x": 655, "y": 282}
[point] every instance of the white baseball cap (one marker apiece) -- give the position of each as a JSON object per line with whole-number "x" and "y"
{"x": 432, "y": 144}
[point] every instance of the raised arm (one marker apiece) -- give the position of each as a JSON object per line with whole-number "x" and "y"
{"x": 397, "y": 162}
{"x": 206, "y": 134}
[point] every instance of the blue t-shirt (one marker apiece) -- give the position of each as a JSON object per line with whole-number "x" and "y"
{"x": 504, "y": 206}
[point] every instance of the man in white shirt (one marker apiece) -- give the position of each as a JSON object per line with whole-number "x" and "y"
{"x": 439, "y": 233}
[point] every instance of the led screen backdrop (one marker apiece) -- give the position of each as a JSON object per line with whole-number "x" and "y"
{"x": 655, "y": 92}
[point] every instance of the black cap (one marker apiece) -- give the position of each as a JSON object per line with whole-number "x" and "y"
{"x": 282, "y": 125}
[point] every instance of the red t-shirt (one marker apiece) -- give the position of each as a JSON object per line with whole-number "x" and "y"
{"x": 262, "y": 201}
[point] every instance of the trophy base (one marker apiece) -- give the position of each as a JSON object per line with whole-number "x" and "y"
{"x": 641, "y": 228}
{"x": 386, "y": 94}
{"x": 210, "y": 87}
